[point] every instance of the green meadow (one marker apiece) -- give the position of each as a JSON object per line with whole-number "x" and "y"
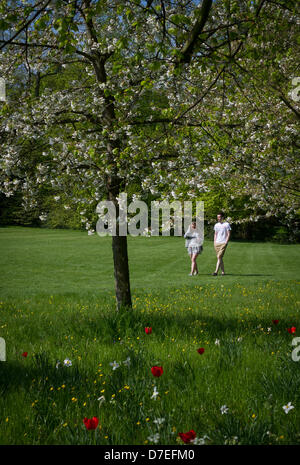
{"x": 85, "y": 359}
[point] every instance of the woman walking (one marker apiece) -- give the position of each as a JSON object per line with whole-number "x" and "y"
{"x": 194, "y": 247}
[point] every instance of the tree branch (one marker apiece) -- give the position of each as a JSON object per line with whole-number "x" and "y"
{"x": 188, "y": 48}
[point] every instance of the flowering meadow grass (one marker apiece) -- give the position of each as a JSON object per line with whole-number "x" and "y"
{"x": 216, "y": 357}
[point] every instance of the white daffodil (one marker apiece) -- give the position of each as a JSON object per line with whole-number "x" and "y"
{"x": 127, "y": 361}
{"x": 217, "y": 342}
{"x": 288, "y": 407}
{"x": 114, "y": 365}
{"x": 224, "y": 409}
{"x": 200, "y": 441}
{"x": 158, "y": 421}
{"x": 154, "y": 438}
{"x": 67, "y": 362}
{"x": 155, "y": 393}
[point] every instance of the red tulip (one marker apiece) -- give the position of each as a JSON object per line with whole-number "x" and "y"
{"x": 148, "y": 330}
{"x": 188, "y": 437}
{"x": 275, "y": 322}
{"x": 200, "y": 351}
{"x": 292, "y": 330}
{"x": 157, "y": 371}
{"x": 25, "y": 354}
{"x": 91, "y": 423}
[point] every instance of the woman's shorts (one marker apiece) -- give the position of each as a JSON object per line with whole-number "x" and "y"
{"x": 195, "y": 249}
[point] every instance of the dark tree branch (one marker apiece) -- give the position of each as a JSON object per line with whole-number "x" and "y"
{"x": 25, "y": 26}
{"x": 189, "y": 46}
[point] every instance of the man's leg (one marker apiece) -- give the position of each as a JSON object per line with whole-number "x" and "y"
{"x": 218, "y": 265}
{"x": 222, "y": 265}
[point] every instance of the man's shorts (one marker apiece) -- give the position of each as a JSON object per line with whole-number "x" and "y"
{"x": 220, "y": 249}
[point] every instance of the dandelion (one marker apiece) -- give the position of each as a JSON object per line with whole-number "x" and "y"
{"x": 67, "y": 362}
{"x": 224, "y": 409}
{"x": 288, "y": 407}
{"x": 114, "y": 365}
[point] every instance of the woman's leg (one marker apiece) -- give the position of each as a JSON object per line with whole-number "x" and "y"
{"x": 191, "y": 256}
{"x": 194, "y": 263}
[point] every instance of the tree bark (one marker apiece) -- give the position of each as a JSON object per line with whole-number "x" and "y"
{"x": 121, "y": 272}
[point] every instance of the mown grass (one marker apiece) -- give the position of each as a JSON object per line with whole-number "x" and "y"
{"x": 57, "y": 302}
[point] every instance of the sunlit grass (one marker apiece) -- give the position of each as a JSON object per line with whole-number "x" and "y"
{"x": 246, "y": 364}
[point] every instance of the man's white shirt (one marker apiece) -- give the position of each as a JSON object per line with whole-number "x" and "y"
{"x": 221, "y": 230}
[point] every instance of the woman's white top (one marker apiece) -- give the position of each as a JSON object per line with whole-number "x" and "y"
{"x": 193, "y": 238}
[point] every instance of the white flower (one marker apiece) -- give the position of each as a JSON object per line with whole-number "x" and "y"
{"x": 114, "y": 365}
{"x": 127, "y": 361}
{"x": 200, "y": 441}
{"x": 269, "y": 329}
{"x": 224, "y": 409}
{"x": 67, "y": 362}
{"x": 158, "y": 421}
{"x": 91, "y": 232}
{"x": 288, "y": 407}
{"x": 154, "y": 438}
{"x": 57, "y": 364}
{"x": 155, "y": 393}
{"x": 217, "y": 342}
{"x": 239, "y": 339}
{"x": 101, "y": 399}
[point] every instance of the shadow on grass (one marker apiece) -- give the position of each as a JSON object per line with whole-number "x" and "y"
{"x": 234, "y": 274}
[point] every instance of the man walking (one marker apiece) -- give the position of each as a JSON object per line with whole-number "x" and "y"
{"x": 222, "y": 234}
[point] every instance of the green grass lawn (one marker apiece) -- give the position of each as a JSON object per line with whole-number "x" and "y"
{"x": 57, "y": 302}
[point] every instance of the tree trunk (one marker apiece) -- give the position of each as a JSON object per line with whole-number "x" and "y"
{"x": 121, "y": 272}
{"x": 119, "y": 243}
